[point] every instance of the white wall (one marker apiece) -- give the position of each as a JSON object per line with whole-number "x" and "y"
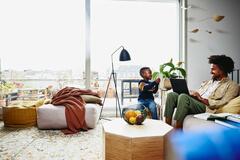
{"x": 225, "y": 37}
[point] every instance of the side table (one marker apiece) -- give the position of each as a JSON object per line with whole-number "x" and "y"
{"x": 135, "y": 142}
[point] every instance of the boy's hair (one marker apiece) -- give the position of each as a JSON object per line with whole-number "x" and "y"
{"x": 225, "y": 63}
{"x": 142, "y": 70}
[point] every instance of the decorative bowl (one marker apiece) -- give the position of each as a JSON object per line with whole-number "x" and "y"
{"x": 134, "y": 116}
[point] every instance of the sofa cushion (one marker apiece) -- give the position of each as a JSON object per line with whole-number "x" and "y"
{"x": 232, "y": 107}
{"x": 191, "y": 123}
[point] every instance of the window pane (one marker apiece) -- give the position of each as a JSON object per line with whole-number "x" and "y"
{"x": 148, "y": 30}
{"x": 42, "y": 42}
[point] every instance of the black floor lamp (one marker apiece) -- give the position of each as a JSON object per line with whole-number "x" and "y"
{"x": 124, "y": 56}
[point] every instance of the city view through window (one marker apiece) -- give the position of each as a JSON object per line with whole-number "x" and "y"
{"x": 42, "y": 43}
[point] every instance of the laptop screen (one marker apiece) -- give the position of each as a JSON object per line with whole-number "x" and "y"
{"x": 179, "y": 85}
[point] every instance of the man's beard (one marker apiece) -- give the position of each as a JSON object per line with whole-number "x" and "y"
{"x": 215, "y": 78}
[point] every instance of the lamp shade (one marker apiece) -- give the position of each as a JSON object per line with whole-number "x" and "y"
{"x": 124, "y": 55}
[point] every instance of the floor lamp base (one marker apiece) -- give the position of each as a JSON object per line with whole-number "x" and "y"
{"x": 118, "y": 108}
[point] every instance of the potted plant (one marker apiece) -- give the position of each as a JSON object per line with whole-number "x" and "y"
{"x": 5, "y": 89}
{"x": 169, "y": 70}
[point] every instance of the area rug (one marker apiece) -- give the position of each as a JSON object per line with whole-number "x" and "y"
{"x": 31, "y": 143}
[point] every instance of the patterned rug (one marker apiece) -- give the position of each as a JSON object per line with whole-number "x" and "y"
{"x": 31, "y": 143}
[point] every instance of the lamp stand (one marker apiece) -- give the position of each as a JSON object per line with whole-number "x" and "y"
{"x": 118, "y": 108}
{"x": 124, "y": 56}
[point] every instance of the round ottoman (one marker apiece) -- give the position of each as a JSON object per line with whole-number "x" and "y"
{"x": 21, "y": 114}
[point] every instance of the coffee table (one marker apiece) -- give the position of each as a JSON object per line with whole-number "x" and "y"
{"x": 135, "y": 142}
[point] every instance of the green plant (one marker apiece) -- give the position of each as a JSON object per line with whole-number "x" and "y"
{"x": 5, "y": 88}
{"x": 169, "y": 70}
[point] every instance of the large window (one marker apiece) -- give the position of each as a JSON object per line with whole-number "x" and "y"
{"x": 149, "y": 30}
{"x": 43, "y": 42}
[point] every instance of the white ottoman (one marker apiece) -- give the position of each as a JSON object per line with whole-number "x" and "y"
{"x": 53, "y": 117}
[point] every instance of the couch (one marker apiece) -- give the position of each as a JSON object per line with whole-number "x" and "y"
{"x": 191, "y": 123}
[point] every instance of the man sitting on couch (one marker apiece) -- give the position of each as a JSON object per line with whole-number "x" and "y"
{"x": 212, "y": 94}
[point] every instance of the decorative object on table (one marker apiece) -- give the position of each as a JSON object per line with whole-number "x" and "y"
{"x": 135, "y": 116}
{"x": 124, "y": 56}
{"x": 169, "y": 70}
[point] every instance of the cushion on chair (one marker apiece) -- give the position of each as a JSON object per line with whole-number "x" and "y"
{"x": 53, "y": 117}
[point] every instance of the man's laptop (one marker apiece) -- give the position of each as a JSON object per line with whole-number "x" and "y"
{"x": 179, "y": 86}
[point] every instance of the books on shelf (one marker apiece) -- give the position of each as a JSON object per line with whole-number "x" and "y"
{"x": 228, "y": 123}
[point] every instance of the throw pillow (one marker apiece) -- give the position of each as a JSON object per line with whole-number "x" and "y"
{"x": 91, "y": 99}
{"x": 232, "y": 107}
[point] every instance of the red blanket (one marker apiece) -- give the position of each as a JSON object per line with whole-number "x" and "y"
{"x": 71, "y": 98}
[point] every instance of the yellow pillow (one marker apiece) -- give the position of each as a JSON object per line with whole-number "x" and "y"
{"x": 232, "y": 107}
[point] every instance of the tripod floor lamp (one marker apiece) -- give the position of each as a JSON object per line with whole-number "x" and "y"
{"x": 124, "y": 56}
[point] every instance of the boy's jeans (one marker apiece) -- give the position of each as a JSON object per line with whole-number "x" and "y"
{"x": 151, "y": 105}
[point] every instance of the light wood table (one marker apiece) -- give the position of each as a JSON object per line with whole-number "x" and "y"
{"x": 135, "y": 142}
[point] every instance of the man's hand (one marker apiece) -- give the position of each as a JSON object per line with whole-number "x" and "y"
{"x": 205, "y": 101}
{"x": 158, "y": 80}
{"x": 197, "y": 96}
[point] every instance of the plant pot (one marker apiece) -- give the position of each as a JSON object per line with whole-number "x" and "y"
{"x": 166, "y": 84}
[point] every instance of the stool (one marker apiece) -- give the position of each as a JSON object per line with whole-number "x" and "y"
{"x": 21, "y": 114}
{"x": 53, "y": 117}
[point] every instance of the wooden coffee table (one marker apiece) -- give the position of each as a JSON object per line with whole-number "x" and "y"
{"x": 135, "y": 142}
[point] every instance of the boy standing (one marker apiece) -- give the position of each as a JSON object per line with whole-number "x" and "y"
{"x": 146, "y": 90}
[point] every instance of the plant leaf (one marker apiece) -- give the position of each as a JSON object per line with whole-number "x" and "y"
{"x": 182, "y": 71}
{"x": 166, "y": 74}
{"x": 161, "y": 68}
{"x": 171, "y": 65}
{"x": 155, "y": 75}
